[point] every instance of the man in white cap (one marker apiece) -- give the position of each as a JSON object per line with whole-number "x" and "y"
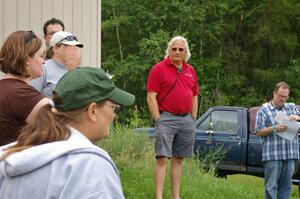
{"x": 66, "y": 56}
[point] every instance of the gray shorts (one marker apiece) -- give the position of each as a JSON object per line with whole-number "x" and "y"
{"x": 174, "y": 135}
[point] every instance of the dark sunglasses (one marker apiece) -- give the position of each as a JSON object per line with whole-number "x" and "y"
{"x": 175, "y": 49}
{"x": 68, "y": 38}
{"x": 29, "y": 36}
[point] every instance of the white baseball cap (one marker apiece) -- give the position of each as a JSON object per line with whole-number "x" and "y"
{"x": 63, "y": 37}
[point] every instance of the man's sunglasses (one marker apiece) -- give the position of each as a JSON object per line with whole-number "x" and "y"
{"x": 68, "y": 38}
{"x": 29, "y": 36}
{"x": 175, "y": 49}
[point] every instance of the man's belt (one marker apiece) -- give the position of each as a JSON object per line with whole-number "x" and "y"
{"x": 176, "y": 114}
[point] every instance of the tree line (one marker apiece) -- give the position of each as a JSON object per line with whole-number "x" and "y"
{"x": 240, "y": 48}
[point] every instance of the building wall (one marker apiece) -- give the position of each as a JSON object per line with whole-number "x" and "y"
{"x": 81, "y": 17}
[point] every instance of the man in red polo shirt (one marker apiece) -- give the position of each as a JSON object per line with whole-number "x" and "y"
{"x": 172, "y": 96}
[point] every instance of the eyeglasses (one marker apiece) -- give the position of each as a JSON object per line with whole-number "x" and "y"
{"x": 51, "y": 33}
{"x": 29, "y": 36}
{"x": 115, "y": 107}
{"x": 284, "y": 97}
{"x": 68, "y": 38}
{"x": 175, "y": 49}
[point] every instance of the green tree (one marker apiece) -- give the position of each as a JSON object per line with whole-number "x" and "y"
{"x": 240, "y": 48}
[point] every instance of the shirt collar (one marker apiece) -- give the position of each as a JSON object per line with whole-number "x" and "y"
{"x": 57, "y": 63}
{"x": 184, "y": 64}
{"x": 272, "y": 107}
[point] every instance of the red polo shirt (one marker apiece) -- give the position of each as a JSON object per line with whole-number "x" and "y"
{"x": 180, "y": 99}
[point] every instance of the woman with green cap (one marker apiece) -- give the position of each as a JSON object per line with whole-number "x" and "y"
{"x": 55, "y": 157}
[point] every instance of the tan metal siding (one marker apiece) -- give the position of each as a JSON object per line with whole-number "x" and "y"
{"x": 35, "y": 17}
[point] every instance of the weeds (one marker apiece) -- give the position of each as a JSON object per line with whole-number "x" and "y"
{"x": 209, "y": 158}
{"x": 134, "y": 156}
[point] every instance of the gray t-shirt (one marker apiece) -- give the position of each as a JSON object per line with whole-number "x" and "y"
{"x": 52, "y": 72}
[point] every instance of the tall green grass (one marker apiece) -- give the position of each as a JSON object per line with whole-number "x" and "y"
{"x": 134, "y": 156}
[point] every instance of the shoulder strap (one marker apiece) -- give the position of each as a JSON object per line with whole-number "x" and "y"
{"x": 173, "y": 85}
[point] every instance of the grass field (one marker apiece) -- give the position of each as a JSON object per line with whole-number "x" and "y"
{"x": 134, "y": 157}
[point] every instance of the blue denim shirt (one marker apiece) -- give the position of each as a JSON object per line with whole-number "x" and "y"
{"x": 275, "y": 147}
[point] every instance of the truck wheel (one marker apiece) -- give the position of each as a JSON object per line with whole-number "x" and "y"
{"x": 223, "y": 175}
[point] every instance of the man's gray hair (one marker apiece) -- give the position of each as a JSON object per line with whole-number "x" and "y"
{"x": 186, "y": 47}
{"x": 282, "y": 84}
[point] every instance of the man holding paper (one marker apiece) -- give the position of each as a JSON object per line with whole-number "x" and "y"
{"x": 275, "y": 124}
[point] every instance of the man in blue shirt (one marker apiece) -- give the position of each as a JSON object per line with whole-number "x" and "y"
{"x": 66, "y": 56}
{"x": 279, "y": 155}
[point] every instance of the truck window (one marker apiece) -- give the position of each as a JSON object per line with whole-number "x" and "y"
{"x": 225, "y": 121}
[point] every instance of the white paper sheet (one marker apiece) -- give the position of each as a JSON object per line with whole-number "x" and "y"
{"x": 292, "y": 126}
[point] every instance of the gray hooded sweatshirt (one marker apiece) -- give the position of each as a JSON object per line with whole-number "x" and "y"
{"x": 70, "y": 169}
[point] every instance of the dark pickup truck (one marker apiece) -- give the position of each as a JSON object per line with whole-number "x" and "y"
{"x": 229, "y": 131}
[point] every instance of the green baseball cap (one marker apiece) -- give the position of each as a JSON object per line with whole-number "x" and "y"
{"x": 84, "y": 85}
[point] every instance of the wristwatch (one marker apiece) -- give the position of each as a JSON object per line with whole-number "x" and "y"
{"x": 274, "y": 129}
